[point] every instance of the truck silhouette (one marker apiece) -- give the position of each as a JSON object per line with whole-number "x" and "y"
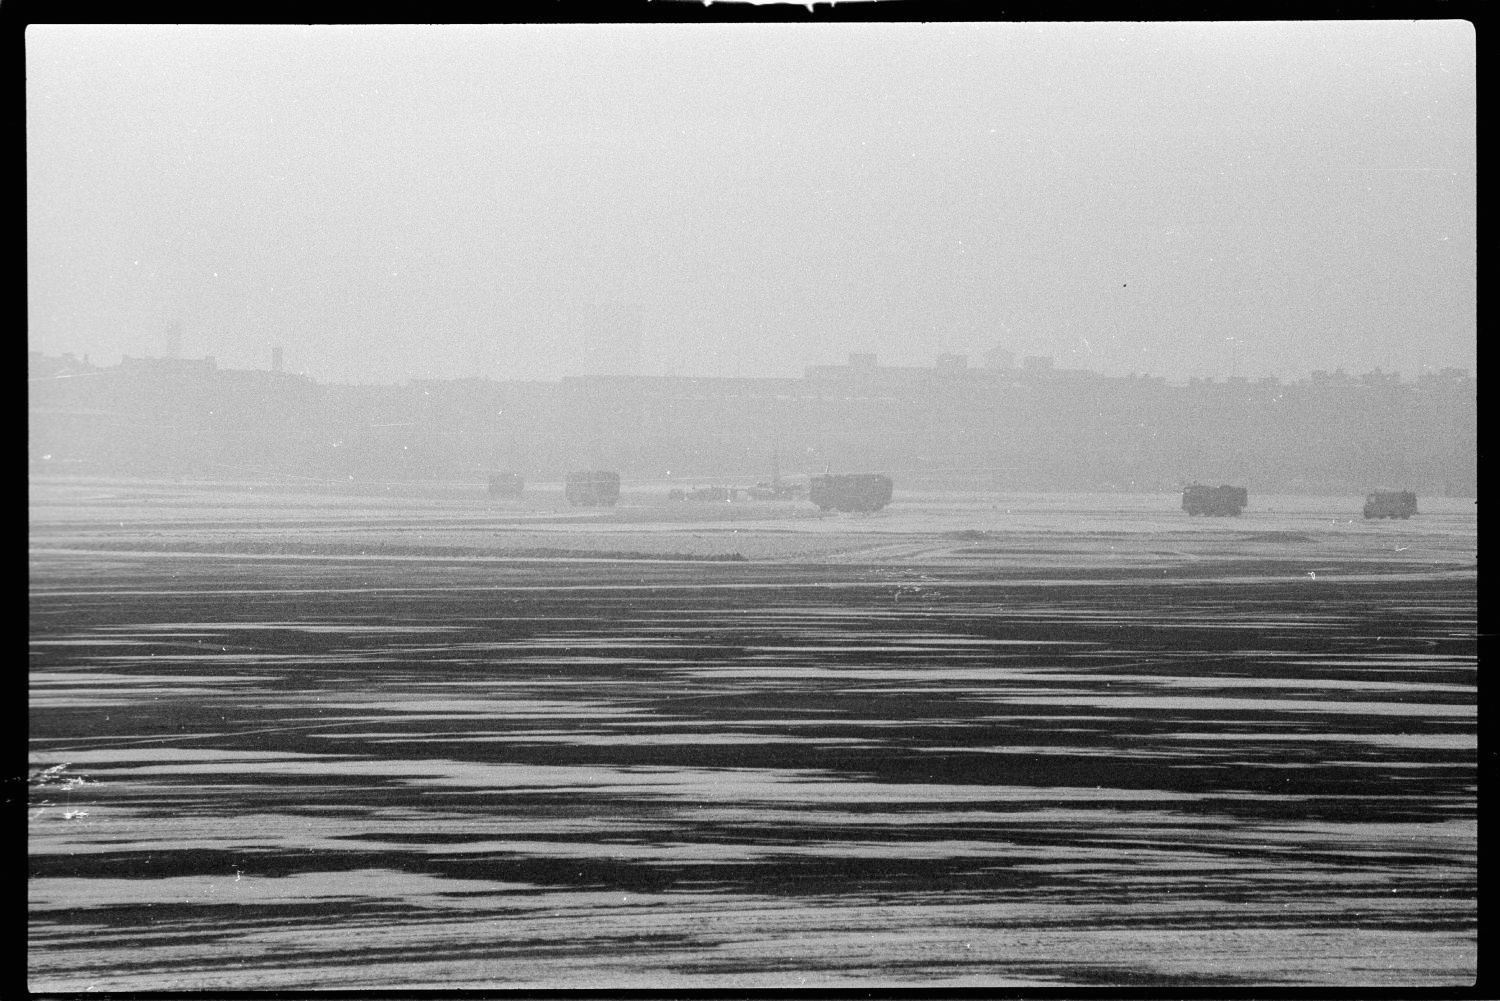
{"x": 1219, "y": 502}
{"x": 1391, "y": 504}
{"x": 592, "y": 488}
{"x": 850, "y": 491}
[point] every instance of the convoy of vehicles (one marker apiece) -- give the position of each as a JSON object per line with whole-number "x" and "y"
{"x": 867, "y": 492}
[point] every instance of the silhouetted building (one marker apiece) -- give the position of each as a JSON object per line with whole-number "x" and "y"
{"x": 972, "y": 427}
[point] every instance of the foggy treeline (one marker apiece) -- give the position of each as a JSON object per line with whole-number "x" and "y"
{"x": 1003, "y": 429}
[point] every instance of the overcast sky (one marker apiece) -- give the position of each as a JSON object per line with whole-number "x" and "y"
{"x": 538, "y": 201}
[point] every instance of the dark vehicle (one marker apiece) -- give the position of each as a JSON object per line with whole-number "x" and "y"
{"x": 850, "y": 491}
{"x": 1217, "y": 502}
{"x": 1391, "y": 504}
{"x": 592, "y": 489}
{"x": 506, "y": 485}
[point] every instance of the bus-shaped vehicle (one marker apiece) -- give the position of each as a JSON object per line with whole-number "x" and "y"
{"x": 1215, "y": 502}
{"x": 1391, "y": 504}
{"x": 850, "y": 491}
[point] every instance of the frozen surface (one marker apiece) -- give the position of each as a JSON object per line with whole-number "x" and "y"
{"x": 304, "y": 740}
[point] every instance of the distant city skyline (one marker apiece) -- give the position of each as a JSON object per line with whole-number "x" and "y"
{"x": 529, "y": 202}
{"x": 1032, "y": 428}
{"x": 1026, "y": 365}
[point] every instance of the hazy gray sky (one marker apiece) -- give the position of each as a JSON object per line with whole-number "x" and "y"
{"x": 537, "y": 201}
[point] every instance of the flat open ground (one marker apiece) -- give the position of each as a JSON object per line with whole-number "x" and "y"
{"x": 304, "y": 737}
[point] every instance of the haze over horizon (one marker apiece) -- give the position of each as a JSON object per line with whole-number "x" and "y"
{"x": 529, "y": 202}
